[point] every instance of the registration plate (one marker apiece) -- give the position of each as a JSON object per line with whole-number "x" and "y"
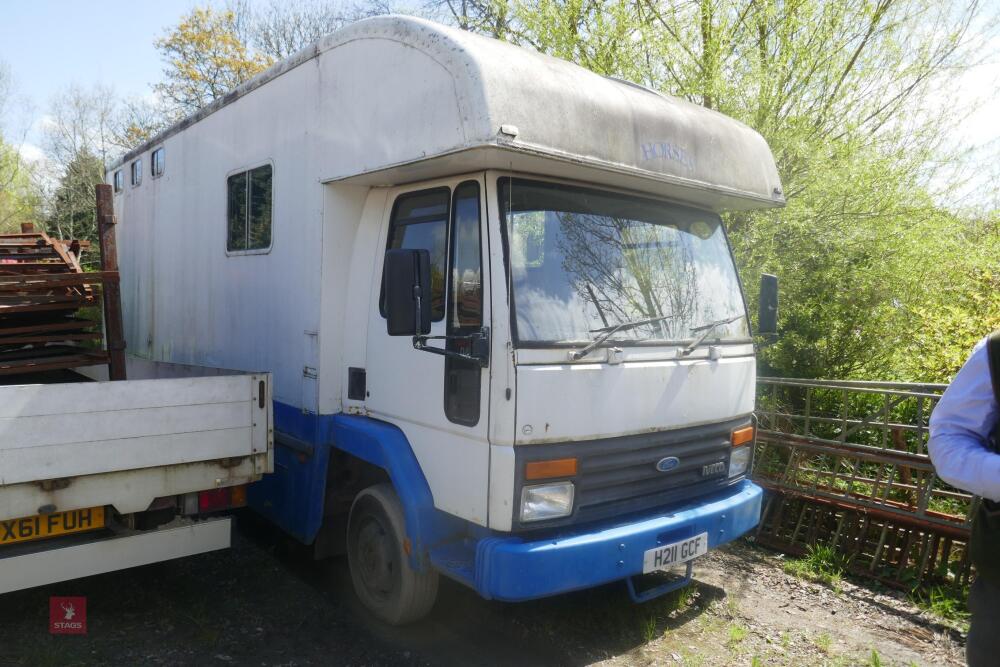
{"x": 662, "y": 558}
{"x": 50, "y": 525}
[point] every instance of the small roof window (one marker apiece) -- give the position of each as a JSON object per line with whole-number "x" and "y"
{"x": 136, "y": 173}
{"x": 156, "y": 162}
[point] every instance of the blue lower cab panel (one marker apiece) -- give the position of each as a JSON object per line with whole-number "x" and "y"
{"x": 511, "y": 568}
{"x": 292, "y": 496}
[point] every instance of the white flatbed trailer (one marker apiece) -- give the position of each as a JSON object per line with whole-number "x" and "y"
{"x": 102, "y": 476}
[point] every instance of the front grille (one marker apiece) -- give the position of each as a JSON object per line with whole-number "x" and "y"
{"x": 617, "y": 476}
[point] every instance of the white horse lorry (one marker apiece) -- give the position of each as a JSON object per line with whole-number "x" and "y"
{"x": 508, "y": 341}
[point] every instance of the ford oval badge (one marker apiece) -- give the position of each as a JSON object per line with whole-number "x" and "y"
{"x": 668, "y": 463}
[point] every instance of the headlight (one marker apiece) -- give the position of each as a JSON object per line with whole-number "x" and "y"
{"x": 546, "y": 501}
{"x": 739, "y": 461}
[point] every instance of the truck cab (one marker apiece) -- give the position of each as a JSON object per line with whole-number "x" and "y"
{"x": 578, "y": 360}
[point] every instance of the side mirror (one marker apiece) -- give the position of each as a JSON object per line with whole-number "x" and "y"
{"x": 407, "y": 280}
{"x": 767, "y": 316}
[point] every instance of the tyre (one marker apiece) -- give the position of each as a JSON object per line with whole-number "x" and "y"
{"x": 380, "y": 568}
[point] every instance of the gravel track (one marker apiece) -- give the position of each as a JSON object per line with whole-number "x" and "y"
{"x": 264, "y": 602}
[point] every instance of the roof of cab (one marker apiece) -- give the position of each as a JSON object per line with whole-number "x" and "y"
{"x": 553, "y": 109}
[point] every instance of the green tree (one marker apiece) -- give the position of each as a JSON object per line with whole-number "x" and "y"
{"x": 137, "y": 120}
{"x": 73, "y": 214}
{"x": 19, "y": 197}
{"x": 205, "y": 59}
{"x": 488, "y": 17}
{"x": 20, "y": 201}
{"x": 281, "y": 28}
{"x": 211, "y": 52}
{"x": 960, "y": 304}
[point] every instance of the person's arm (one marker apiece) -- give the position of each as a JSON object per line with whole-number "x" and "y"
{"x": 961, "y": 425}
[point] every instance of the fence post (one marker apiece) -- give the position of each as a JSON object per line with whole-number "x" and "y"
{"x": 113, "y": 328}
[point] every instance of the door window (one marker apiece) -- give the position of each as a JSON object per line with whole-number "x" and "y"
{"x": 462, "y": 379}
{"x": 420, "y": 222}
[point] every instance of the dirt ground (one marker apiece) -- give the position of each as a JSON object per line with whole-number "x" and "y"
{"x": 265, "y": 603}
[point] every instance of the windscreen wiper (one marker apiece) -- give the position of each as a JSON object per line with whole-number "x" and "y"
{"x": 706, "y": 329}
{"x": 608, "y": 332}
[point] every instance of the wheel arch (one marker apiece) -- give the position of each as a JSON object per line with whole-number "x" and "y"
{"x": 385, "y": 446}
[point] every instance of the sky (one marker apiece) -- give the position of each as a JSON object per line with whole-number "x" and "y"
{"x": 50, "y": 44}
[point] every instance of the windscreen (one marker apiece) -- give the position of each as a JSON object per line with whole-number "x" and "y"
{"x": 584, "y": 261}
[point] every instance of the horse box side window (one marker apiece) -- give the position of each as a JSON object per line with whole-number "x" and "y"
{"x": 157, "y": 162}
{"x": 248, "y": 210}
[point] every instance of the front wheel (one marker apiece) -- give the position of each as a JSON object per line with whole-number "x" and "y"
{"x": 380, "y": 569}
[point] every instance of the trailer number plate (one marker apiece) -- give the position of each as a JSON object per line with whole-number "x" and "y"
{"x": 50, "y": 525}
{"x": 665, "y": 557}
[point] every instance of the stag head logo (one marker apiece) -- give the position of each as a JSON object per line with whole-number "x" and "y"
{"x": 68, "y": 615}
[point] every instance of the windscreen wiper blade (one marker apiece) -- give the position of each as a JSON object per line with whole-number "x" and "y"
{"x": 706, "y": 329}
{"x": 608, "y": 332}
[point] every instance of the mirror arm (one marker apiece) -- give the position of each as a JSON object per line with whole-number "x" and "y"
{"x": 480, "y": 345}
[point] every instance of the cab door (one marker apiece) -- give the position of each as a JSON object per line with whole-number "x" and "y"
{"x": 440, "y": 403}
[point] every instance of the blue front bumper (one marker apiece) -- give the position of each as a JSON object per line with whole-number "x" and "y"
{"x": 510, "y": 568}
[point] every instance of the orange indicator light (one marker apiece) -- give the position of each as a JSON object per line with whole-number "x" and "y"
{"x": 550, "y": 469}
{"x": 742, "y": 436}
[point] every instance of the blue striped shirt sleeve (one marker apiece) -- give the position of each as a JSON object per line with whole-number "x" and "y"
{"x": 961, "y": 426}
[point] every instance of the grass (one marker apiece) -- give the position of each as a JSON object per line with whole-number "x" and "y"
{"x": 650, "y": 629}
{"x": 737, "y": 633}
{"x": 667, "y": 608}
{"x": 946, "y": 603}
{"x": 732, "y": 606}
{"x": 874, "y": 660}
{"x": 821, "y": 564}
{"x": 823, "y": 642}
{"x": 692, "y": 659}
{"x": 680, "y": 600}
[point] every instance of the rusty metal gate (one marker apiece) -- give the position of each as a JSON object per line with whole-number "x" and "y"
{"x": 845, "y": 463}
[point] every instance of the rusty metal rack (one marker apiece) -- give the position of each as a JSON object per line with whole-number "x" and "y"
{"x": 44, "y": 298}
{"x": 846, "y": 464}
